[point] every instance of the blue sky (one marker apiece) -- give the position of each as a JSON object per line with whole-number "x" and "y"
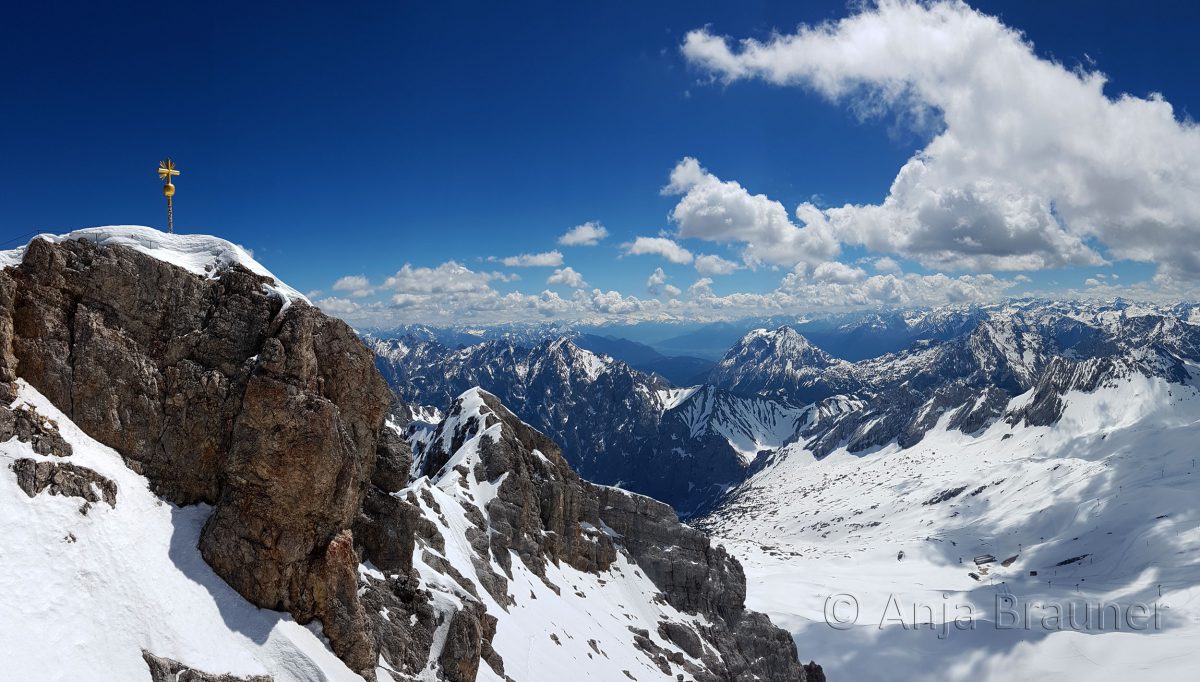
{"x": 343, "y": 141}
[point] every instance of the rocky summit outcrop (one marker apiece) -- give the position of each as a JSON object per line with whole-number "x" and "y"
{"x": 219, "y": 390}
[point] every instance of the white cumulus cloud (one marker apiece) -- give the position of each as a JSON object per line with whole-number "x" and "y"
{"x": 448, "y": 278}
{"x": 587, "y": 234}
{"x": 724, "y": 211}
{"x": 657, "y": 285}
{"x": 1031, "y": 165}
{"x": 567, "y": 276}
{"x": 886, "y": 265}
{"x": 836, "y": 272}
{"x": 660, "y": 246}
{"x": 707, "y": 264}
{"x": 356, "y": 285}
{"x": 846, "y": 288}
{"x": 548, "y": 259}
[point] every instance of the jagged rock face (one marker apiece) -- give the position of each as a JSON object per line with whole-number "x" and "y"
{"x": 145, "y": 357}
{"x": 697, "y": 577}
{"x": 692, "y": 573}
{"x": 972, "y": 379}
{"x": 303, "y": 448}
{"x": 1045, "y": 406}
{"x": 541, "y": 501}
{"x": 216, "y": 393}
{"x": 528, "y": 506}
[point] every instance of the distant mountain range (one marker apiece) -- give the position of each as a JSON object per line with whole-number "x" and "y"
{"x": 616, "y": 424}
{"x": 1054, "y": 441}
{"x": 623, "y": 422}
{"x": 849, "y": 336}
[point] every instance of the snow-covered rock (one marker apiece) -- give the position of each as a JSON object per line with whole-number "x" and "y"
{"x": 781, "y": 364}
{"x": 575, "y": 576}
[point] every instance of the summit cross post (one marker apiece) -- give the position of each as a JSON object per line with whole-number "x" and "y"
{"x": 166, "y": 170}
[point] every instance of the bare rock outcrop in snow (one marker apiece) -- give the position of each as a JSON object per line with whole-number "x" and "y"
{"x": 64, "y": 478}
{"x": 55, "y": 477}
{"x": 27, "y": 426}
{"x": 167, "y": 670}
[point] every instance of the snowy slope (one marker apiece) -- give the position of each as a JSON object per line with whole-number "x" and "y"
{"x": 88, "y": 592}
{"x": 571, "y": 621}
{"x": 1114, "y": 481}
{"x": 750, "y": 426}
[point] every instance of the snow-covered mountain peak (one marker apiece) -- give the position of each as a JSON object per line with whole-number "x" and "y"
{"x": 571, "y": 358}
{"x": 783, "y": 342}
{"x": 783, "y": 364}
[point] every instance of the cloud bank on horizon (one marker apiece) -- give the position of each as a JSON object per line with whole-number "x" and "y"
{"x": 1029, "y": 166}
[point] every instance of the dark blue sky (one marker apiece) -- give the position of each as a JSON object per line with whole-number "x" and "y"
{"x": 335, "y": 139}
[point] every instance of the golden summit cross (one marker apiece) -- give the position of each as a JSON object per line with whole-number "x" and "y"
{"x": 166, "y": 170}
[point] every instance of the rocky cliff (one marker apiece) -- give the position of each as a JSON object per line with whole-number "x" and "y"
{"x": 537, "y": 521}
{"x": 219, "y": 391}
{"x": 220, "y": 387}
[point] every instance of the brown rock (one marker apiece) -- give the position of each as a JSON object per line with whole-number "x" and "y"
{"x": 27, "y": 426}
{"x": 469, "y": 640}
{"x": 63, "y": 478}
{"x": 216, "y": 394}
{"x": 334, "y": 589}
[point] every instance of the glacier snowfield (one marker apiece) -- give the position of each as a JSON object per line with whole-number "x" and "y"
{"x": 1102, "y": 506}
